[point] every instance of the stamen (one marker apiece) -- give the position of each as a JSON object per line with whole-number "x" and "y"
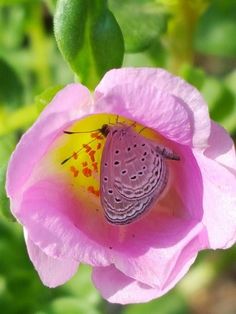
{"x": 97, "y": 136}
{"x": 75, "y": 155}
{"x": 95, "y": 166}
{"x": 91, "y": 155}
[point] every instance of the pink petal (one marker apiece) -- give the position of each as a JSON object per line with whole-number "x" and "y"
{"x": 221, "y": 146}
{"x": 167, "y": 83}
{"x": 73, "y": 102}
{"x": 50, "y": 215}
{"x": 52, "y": 271}
{"x": 151, "y": 107}
{"x": 187, "y": 180}
{"x": 219, "y": 202}
{"x": 166, "y": 257}
{"x": 116, "y": 287}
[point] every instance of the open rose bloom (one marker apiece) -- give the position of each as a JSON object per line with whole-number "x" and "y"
{"x": 53, "y": 183}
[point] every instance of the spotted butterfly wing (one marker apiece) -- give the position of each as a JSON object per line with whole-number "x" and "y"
{"x": 133, "y": 175}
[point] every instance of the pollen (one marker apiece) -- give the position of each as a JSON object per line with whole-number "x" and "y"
{"x": 91, "y": 155}
{"x": 87, "y": 172}
{"x": 74, "y": 171}
{"x": 92, "y": 190}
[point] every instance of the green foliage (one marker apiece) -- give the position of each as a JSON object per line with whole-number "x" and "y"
{"x": 217, "y": 28}
{"x": 11, "y": 87}
{"x": 7, "y": 144}
{"x": 70, "y": 305}
{"x": 12, "y": 2}
{"x": 89, "y": 38}
{"x": 141, "y": 21}
{"x": 172, "y": 303}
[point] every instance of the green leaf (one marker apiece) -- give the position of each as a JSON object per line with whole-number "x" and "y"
{"x": 217, "y": 28}
{"x": 88, "y": 37}
{"x": 11, "y": 87}
{"x": 107, "y": 43}
{"x": 141, "y": 22}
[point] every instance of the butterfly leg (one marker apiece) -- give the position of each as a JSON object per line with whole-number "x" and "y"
{"x": 166, "y": 152}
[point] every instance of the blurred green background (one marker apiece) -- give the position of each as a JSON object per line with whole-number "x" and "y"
{"x": 194, "y": 39}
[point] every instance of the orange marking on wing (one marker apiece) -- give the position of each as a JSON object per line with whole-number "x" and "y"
{"x": 74, "y": 171}
{"x": 87, "y": 172}
{"x": 91, "y": 155}
{"x": 95, "y": 166}
{"x": 84, "y": 164}
{"x": 92, "y": 190}
{"x": 75, "y": 155}
{"x": 99, "y": 145}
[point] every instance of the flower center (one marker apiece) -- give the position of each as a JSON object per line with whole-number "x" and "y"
{"x": 79, "y": 159}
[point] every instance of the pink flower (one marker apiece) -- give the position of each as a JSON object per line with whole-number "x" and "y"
{"x": 59, "y": 207}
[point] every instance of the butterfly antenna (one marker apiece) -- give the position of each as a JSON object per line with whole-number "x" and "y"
{"x": 142, "y": 129}
{"x": 70, "y": 132}
{"x": 84, "y": 146}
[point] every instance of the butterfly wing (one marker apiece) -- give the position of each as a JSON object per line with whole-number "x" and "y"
{"x": 133, "y": 175}
{"x": 142, "y": 171}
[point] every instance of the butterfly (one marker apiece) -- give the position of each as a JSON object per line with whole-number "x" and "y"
{"x": 134, "y": 173}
